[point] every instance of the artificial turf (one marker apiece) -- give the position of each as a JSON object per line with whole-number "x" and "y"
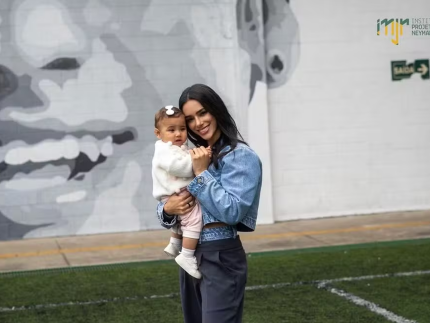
{"x": 121, "y": 291}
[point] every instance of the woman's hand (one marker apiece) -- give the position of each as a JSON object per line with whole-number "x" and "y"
{"x": 179, "y": 204}
{"x": 201, "y": 158}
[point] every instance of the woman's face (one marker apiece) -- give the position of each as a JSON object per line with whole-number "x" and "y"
{"x": 201, "y": 122}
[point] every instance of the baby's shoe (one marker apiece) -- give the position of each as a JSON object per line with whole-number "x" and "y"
{"x": 171, "y": 250}
{"x": 189, "y": 265}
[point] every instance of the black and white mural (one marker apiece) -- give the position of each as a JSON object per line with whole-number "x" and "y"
{"x": 79, "y": 84}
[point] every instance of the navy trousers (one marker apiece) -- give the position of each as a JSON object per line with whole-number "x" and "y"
{"x": 217, "y": 297}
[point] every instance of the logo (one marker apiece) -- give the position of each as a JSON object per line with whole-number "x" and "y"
{"x": 400, "y": 70}
{"x": 419, "y": 27}
{"x": 396, "y": 27}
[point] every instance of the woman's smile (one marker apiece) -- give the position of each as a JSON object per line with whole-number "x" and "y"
{"x": 204, "y": 131}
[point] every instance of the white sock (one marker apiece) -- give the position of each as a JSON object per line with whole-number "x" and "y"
{"x": 177, "y": 242}
{"x": 188, "y": 253}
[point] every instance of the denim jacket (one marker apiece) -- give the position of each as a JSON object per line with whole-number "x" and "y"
{"x": 229, "y": 194}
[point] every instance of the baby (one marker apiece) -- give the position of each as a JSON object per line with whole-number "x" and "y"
{"x": 172, "y": 171}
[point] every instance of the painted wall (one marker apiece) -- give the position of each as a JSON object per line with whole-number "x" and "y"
{"x": 346, "y": 139}
{"x": 308, "y": 83}
{"x": 79, "y": 84}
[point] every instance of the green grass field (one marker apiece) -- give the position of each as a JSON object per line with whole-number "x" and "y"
{"x": 287, "y": 288}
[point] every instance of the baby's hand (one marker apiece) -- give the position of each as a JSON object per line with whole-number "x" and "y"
{"x": 209, "y": 149}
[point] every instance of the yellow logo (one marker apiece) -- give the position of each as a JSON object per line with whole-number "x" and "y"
{"x": 396, "y": 28}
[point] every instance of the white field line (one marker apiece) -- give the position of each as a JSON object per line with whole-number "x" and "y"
{"x": 335, "y": 280}
{"x": 390, "y": 316}
{"x": 96, "y": 302}
{"x": 249, "y": 288}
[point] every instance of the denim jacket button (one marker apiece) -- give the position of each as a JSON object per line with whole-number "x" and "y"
{"x": 199, "y": 180}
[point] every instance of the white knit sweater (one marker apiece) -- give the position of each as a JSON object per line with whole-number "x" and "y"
{"x": 172, "y": 169}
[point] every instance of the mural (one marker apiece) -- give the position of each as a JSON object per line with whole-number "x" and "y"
{"x": 79, "y": 84}
{"x": 269, "y": 34}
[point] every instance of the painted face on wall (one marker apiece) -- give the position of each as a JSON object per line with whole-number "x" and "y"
{"x": 80, "y": 82}
{"x": 79, "y": 85}
{"x": 74, "y": 109}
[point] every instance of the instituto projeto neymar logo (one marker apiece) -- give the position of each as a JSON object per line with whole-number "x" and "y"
{"x": 419, "y": 27}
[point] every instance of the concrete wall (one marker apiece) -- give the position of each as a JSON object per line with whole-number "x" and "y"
{"x": 346, "y": 139}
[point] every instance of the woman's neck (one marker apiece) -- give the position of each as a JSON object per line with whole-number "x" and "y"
{"x": 214, "y": 138}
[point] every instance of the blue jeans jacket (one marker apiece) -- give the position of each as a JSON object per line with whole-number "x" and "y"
{"x": 229, "y": 194}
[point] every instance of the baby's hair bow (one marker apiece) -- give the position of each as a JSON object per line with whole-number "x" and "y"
{"x": 169, "y": 110}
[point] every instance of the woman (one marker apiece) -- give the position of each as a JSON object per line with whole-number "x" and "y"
{"x": 228, "y": 188}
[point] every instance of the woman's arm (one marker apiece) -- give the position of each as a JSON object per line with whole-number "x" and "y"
{"x": 230, "y": 199}
{"x": 175, "y": 205}
{"x": 166, "y": 221}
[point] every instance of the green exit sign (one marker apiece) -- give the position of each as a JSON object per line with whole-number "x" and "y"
{"x": 401, "y": 70}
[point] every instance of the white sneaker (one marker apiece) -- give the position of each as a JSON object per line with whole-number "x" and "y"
{"x": 189, "y": 265}
{"x": 171, "y": 250}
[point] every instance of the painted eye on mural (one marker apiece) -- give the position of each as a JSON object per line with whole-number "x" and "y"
{"x": 62, "y": 63}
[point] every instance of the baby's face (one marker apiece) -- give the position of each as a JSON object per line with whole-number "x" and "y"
{"x": 172, "y": 129}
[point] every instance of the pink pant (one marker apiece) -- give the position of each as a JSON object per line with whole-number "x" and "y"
{"x": 190, "y": 224}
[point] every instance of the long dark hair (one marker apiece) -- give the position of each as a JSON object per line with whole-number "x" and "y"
{"x": 211, "y": 101}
